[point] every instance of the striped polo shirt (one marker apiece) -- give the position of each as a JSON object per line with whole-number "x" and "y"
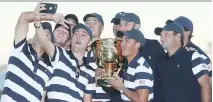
{"x": 203, "y": 55}
{"x": 100, "y": 94}
{"x": 26, "y": 76}
{"x": 68, "y": 84}
{"x": 138, "y": 75}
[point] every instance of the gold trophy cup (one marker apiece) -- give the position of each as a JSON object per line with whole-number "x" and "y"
{"x": 108, "y": 55}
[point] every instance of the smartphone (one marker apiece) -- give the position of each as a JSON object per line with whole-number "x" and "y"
{"x": 50, "y": 8}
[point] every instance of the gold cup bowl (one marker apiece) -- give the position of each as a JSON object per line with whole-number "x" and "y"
{"x": 108, "y": 55}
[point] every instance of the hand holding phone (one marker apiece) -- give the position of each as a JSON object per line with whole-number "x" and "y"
{"x": 50, "y": 8}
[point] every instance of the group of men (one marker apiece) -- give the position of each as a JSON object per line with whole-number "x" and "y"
{"x": 59, "y": 66}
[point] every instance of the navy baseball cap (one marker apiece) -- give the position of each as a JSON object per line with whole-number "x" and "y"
{"x": 170, "y": 27}
{"x": 137, "y": 35}
{"x": 183, "y": 21}
{"x": 80, "y": 25}
{"x": 96, "y": 15}
{"x": 131, "y": 17}
{"x": 117, "y": 16}
{"x": 72, "y": 16}
{"x": 47, "y": 25}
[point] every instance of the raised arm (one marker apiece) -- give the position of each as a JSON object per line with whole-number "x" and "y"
{"x": 46, "y": 44}
{"x": 22, "y": 26}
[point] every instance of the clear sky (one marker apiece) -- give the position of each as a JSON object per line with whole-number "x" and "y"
{"x": 152, "y": 14}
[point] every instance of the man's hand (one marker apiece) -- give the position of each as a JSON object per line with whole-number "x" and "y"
{"x": 116, "y": 81}
{"x": 39, "y": 7}
{"x": 59, "y": 19}
{"x": 99, "y": 72}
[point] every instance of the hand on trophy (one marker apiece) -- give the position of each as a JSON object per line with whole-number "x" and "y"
{"x": 99, "y": 72}
{"x": 116, "y": 81}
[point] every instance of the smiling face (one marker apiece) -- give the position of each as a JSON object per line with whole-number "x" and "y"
{"x": 61, "y": 35}
{"x": 129, "y": 46}
{"x": 168, "y": 39}
{"x": 95, "y": 25}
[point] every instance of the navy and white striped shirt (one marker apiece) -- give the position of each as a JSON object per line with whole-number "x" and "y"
{"x": 100, "y": 94}
{"x": 199, "y": 66}
{"x": 203, "y": 55}
{"x": 67, "y": 84}
{"x": 138, "y": 75}
{"x": 26, "y": 76}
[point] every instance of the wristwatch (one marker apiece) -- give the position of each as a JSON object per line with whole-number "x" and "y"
{"x": 37, "y": 26}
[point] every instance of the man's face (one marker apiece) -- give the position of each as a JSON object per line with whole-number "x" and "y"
{"x": 168, "y": 39}
{"x": 61, "y": 35}
{"x": 125, "y": 26}
{"x": 127, "y": 46}
{"x": 80, "y": 39}
{"x": 94, "y": 25}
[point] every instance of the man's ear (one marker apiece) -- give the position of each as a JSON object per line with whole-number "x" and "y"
{"x": 137, "y": 26}
{"x": 102, "y": 28}
{"x": 130, "y": 25}
{"x": 179, "y": 35}
{"x": 138, "y": 45}
{"x": 187, "y": 32}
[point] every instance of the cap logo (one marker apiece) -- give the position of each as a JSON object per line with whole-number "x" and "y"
{"x": 123, "y": 14}
{"x": 120, "y": 13}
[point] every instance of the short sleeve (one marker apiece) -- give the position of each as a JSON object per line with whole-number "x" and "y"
{"x": 199, "y": 66}
{"x": 143, "y": 77}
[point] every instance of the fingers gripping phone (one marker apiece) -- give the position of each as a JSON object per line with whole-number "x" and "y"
{"x": 50, "y": 8}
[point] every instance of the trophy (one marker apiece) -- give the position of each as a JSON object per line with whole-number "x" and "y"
{"x": 108, "y": 56}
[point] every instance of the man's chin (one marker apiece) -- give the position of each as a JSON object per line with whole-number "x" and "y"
{"x": 59, "y": 44}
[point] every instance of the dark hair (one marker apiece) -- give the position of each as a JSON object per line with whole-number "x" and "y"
{"x": 116, "y": 21}
{"x": 181, "y": 38}
{"x": 190, "y": 35}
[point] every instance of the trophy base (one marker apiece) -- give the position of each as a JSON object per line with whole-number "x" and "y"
{"x": 103, "y": 83}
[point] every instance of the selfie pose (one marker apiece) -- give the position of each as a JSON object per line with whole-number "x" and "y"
{"x": 28, "y": 72}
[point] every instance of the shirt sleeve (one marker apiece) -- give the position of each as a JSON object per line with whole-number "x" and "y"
{"x": 199, "y": 66}
{"x": 143, "y": 76}
{"x": 19, "y": 47}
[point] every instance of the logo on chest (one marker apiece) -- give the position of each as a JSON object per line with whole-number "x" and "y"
{"x": 178, "y": 66}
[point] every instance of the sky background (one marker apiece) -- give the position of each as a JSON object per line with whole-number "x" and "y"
{"x": 152, "y": 14}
